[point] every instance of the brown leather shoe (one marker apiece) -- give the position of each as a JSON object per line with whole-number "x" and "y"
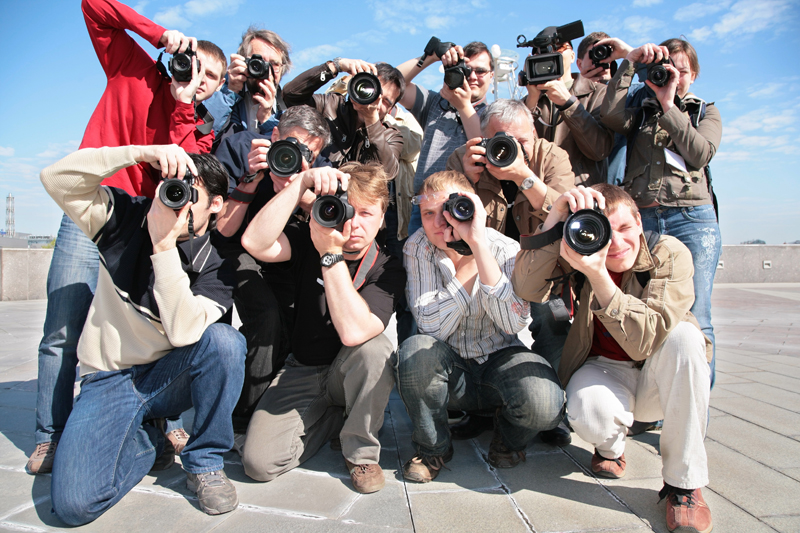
{"x": 500, "y": 456}
{"x": 425, "y": 468}
{"x": 366, "y": 478}
{"x": 41, "y": 460}
{"x": 610, "y": 468}
{"x": 687, "y": 511}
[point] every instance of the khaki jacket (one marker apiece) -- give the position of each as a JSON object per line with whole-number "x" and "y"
{"x": 648, "y": 177}
{"x": 578, "y": 130}
{"x": 404, "y": 182}
{"x": 639, "y": 318}
{"x": 550, "y": 164}
{"x": 379, "y": 142}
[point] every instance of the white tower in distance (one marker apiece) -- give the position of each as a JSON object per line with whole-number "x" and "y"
{"x": 10, "y": 216}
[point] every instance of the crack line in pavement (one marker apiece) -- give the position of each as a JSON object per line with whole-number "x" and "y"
{"x": 400, "y": 469}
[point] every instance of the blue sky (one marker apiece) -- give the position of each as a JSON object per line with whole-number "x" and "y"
{"x": 748, "y": 53}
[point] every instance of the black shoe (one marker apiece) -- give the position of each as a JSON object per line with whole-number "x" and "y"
{"x": 167, "y": 457}
{"x": 558, "y": 436}
{"x": 640, "y": 427}
{"x": 471, "y": 427}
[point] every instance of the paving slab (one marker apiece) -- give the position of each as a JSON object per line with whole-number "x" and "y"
{"x": 784, "y": 524}
{"x": 472, "y": 511}
{"x": 754, "y": 441}
{"x": 781, "y": 421}
{"x": 768, "y": 394}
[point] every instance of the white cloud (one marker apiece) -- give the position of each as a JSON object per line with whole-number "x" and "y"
{"x": 6, "y": 152}
{"x": 747, "y": 17}
{"x": 436, "y": 22}
{"x": 700, "y": 10}
{"x": 316, "y": 54}
{"x": 182, "y": 16}
{"x": 634, "y": 30}
{"x": 701, "y": 34}
{"x": 406, "y": 15}
{"x": 645, "y": 3}
{"x": 172, "y": 18}
{"x": 58, "y": 150}
{"x": 139, "y": 8}
{"x": 199, "y": 8}
{"x": 766, "y": 90}
{"x": 762, "y": 133}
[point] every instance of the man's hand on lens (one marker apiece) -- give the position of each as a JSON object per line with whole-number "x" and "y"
{"x": 174, "y": 41}
{"x": 571, "y": 201}
{"x": 265, "y": 101}
{"x": 354, "y": 66}
{"x": 474, "y": 154}
{"x": 184, "y": 91}
{"x": 164, "y": 224}
{"x": 556, "y": 91}
{"x": 237, "y": 73}
{"x": 452, "y": 56}
{"x": 329, "y": 240}
{"x": 171, "y": 159}
{"x": 593, "y": 266}
{"x": 324, "y": 180}
{"x": 619, "y": 49}
{"x": 517, "y": 171}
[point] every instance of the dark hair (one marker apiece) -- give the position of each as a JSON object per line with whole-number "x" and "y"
{"x": 389, "y": 74}
{"x": 615, "y": 196}
{"x": 476, "y": 47}
{"x": 212, "y": 175}
{"x": 679, "y": 45}
{"x": 589, "y": 41}
{"x": 214, "y": 51}
{"x": 306, "y": 118}
{"x": 269, "y": 37}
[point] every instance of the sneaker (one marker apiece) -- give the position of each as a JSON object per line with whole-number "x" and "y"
{"x": 41, "y": 460}
{"x": 425, "y": 468}
{"x": 214, "y": 490}
{"x": 178, "y": 438}
{"x": 687, "y": 511}
{"x": 501, "y": 456}
{"x": 366, "y": 478}
{"x": 558, "y": 436}
{"x": 610, "y": 468}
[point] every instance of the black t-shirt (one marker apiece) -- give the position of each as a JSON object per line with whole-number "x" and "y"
{"x": 510, "y": 190}
{"x": 314, "y": 338}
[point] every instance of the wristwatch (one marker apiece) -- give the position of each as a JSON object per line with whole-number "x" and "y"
{"x": 329, "y": 259}
{"x": 527, "y": 183}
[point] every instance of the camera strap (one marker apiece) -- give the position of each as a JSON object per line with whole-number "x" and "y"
{"x": 161, "y": 68}
{"x": 367, "y": 262}
{"x": 200, "y": 111}
{"x": 534, "y": 242}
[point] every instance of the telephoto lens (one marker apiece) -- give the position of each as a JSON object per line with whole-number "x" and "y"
{"x": 257, "y": 68}
{"x": 364, "y": 88}
{"x": 587, "y": 231}
{"x": 657, "y": 74}
{"x": 180, "y": 66}
{"x": 501, "y": 150}
{"x": 600, "y": 53}
{"x": 460, "y": 207}
{"x": 285, "y": 157}
{"x": 332, "y": 211}
{"x": 175, "y": 193}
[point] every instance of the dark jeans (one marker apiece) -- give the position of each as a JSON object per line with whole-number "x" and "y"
{"x": 549, "y": 335}
{"x": 519, "y": 384}
{"x": 105, "y": 450}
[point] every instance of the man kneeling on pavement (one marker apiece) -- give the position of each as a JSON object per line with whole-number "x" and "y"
{"x": 467, "y": 355}
{"x": 150, "y": 348}
{"x": 634, "y": 352}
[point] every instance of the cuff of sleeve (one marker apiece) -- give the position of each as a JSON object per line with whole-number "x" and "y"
{"x": 549, "y": 199}
{"x": 626, "y": 72}
{"x": 167, "y": 265}
{"x": 615, "y": 309}
{"x": 459, "y": 293}
{"x": 501, "y": 290}
{"x": 568, "y": 104}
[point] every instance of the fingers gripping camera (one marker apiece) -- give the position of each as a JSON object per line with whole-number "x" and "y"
{"x": 180, "y": 65}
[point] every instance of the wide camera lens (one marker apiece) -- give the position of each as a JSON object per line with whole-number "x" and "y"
{"x": 284, "y": 159}
{"x": 174, "y": 193}
{"x": 501, "y": 151}
{"x": 332, "y": 211}
{"x": 364, "y": 88}
{"x": 587, "y": 231}
{"x": 599, "y": 53}
{"x": 460, "y": 207}
{"x": 658, "y": 75}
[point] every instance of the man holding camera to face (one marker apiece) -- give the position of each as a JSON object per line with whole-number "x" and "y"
{"x": 566, "y": 109}
{"x": 467, "y": 354}
{"x": 150, "y": 348}
{"x": 634, "y": 350}
{"x": 337, "y": 380}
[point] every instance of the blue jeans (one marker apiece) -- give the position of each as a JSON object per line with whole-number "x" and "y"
{"x": 105, "y": 450}
{"x": 697, "y": 228}
{"x": 520, "y": 385}
{"x": 70, "y": 289}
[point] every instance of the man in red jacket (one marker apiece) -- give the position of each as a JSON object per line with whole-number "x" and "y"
{"x": 140, "y": 106}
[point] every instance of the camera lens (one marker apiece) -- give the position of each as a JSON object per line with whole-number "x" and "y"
{"x": 331, "y": 211}
{"x": 174, "y": 193}
{"x": 587, "y": 231}
{"x": 544, "y": 68}
{"x": 658, "y": 75}
{"x": 501, "y": 150}
{"x": 599, "y": 53}
{"x": 284, "y": 159}
{"x": 364, "y": 88}
{"x": 257, "y": 68}
{"x": 461, "y": 207}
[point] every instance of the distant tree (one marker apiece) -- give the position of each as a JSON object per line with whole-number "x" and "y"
{"x": 50, "y": 245}
{"x": 793, "y": 242}
{"x": 754, "y": 241}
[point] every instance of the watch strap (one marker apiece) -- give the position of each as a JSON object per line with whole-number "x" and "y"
{"x": 238, "y": 195}
{"x": 334, "y": 258}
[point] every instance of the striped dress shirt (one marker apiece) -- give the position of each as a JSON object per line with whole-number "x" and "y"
{"x": 475, "y": 325}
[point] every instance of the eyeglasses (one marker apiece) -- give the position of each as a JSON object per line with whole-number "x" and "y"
{"x": 435, "y": 196}
{"x": 481, "y": 72}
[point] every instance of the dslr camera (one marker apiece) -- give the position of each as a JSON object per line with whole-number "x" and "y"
{"x": 285, "y": 157}
{"x": 545, "y": 64}
{"x": 364, "y": 88}
{"x": 333, "y": 210}
{"x": 176, "y": 193}
{"x": 599, "y": 54}
{"x": 455, "y": 75}
{"x": 657, "y": 74}
{"x": 434, "y": 46}
{"x": 180, "y": 65}
{"x": 258, "y": 69}
{"x": 460, "y": 207}
{"x": 587, "y": 231}
{"x": 501, "y": 150}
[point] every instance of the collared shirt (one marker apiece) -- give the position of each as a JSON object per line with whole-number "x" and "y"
{"x": 475, "y": 325}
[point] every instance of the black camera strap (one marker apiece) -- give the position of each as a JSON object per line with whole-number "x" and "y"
{"x": 200, "y": 111}
{"x": 161, "y": 68}
{"x": 534, "y": 242}
{"x": 367, "y": 262}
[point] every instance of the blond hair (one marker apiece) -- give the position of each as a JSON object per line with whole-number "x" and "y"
{"x": 368, "y": 184}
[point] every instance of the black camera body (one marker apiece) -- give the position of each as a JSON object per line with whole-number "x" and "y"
{"x": 364, "y": 88}
{"x": 333, "y": 210}
{"x": 501, "y": 150}
{"x": 657, "y": 74}
{"x": 587, "y": 231}
{"x": 176, "y": 193}
{"x": 455, "y": 75}
{"x": 258, "y": 68}
{"x": 545, "y": 64}
{"x": 180, "y": 65}
{"x": 285, "y": 157}
{"x": 599, "y": 54}
{"x": 462, "y": 208}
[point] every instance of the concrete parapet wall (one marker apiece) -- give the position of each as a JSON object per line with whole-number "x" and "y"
{"x": 759, "y": 263}
{"x": 23, "y": 273}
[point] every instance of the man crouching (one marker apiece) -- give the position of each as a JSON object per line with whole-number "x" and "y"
{"x": 150, "y": 348}
{"x": 634, "y": 351}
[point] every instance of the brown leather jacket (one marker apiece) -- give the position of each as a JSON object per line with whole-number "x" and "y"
{"x": 550, "y": 164}
{"x": 379, "y": 142}
{"x": 648, "y": 177}
{"x": 639, "y": 318}
{"x": 578, "y": 130}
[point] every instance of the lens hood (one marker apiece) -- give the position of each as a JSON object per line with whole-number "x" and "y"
{"x": 587, "y": 231}
{"x": 364, "y": 88}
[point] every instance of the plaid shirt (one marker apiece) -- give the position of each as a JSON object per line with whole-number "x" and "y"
{"x": 475, "y": 325}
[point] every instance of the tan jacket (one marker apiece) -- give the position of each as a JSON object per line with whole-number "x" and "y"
{"x": 579, "y": 131}
{"x": 404, "y": 182}
{"x": 639, "y": 318}
{"x": 550, "y": 164}
{"x": 648, "y": 177}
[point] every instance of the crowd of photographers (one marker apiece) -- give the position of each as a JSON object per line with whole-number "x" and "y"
{"x": 583, "y": 211}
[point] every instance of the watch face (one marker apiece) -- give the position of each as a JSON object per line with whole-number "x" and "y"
{"x": 327, "y": 260}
